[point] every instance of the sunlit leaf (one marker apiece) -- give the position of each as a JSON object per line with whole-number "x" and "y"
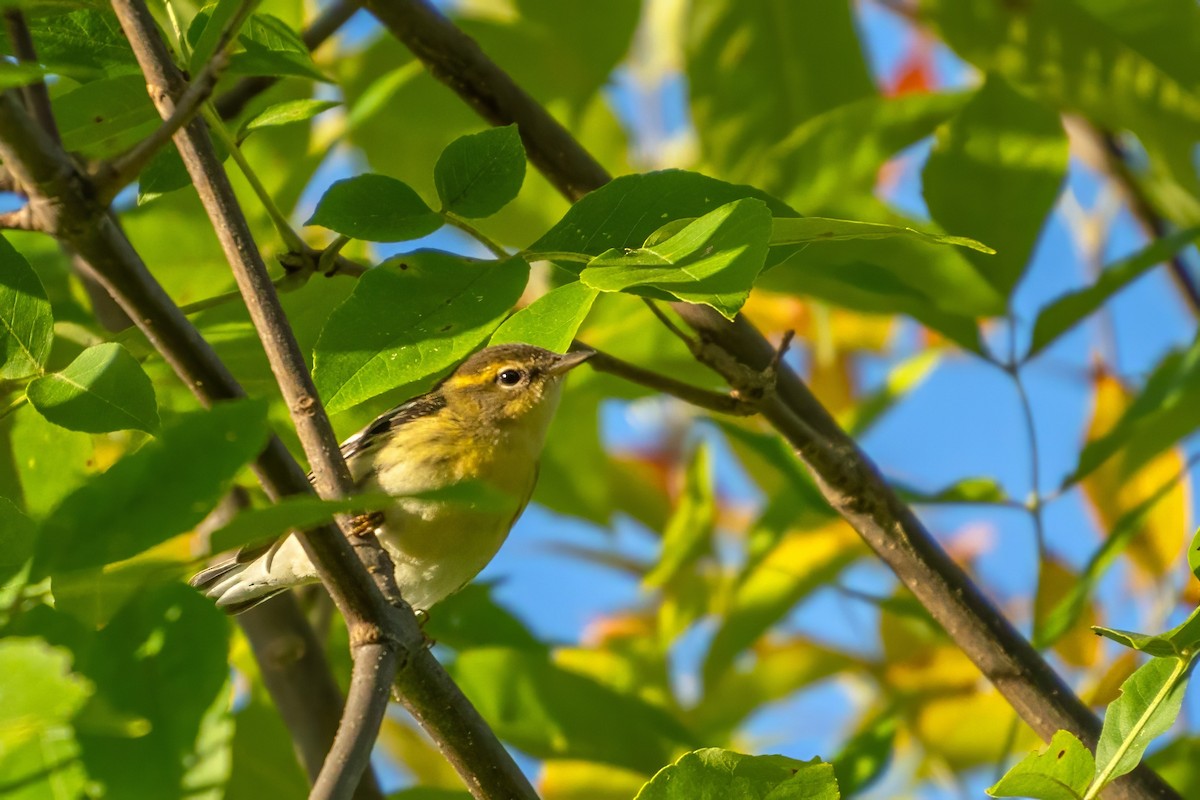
{"x": 1068, "y": 311}
{"x": 375, "y": 208}
{"x": 408, "y": 320}
{"x": 102, "y": 118}
{"x": 1149, "y": 703}
{"x": 755, "y": 72}
{"x": 298, "y": 512}
{"x": 1113, "y": 491}
{"x": 713, "y": 260}
{"x": 50, "y": 462}
{"x": 552, "y": 320}
{"x": 562, "y": 779}
{"x": 800, "y": 562}
{"x": 288, "y": 113}
{"x": 39, "y": 692}
{"x": 103, "y": 389}
{"x": 1061, "y": 771}
{"x": 689, "y": 531}
{"x": 26, "y": 321}
{"x": 714, "y": 773}
{"x": 479, "y": 174}
{"x": 550, "y": 712}
{"x": 191, "y": 465}
{"x": 809, "y": 230}
{"x": 994, "y": 173}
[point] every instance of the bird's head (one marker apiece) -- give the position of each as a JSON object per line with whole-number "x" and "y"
{"x": 510, "y": 384}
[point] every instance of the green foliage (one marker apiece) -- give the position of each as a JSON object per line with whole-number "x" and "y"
{"x": 713, "y": 260}
{"x": 552, "y": 320}
{"x": 715, "y": 774}
{"x": 375, "y": 208}
{"x": 289, "y": 112}
{"x": 191, "y": 466}
{"x": 26, "y": 322}
{"x": 103, "y": 389}
{"x": 1017, "y": 150}
{"x": 1061, "y": 771}
{"x": 478, "y": 174}
{"x": 410, "y": 319}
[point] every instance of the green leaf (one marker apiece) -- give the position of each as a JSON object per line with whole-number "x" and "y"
{"x": 627, "y": 210}
{"x": 26, "y": 322}
{"x": 865, "y": 757}
{"x": 375, "y": 208}
{"x": 13, "y": 76}
{"x": 287, "y": 113}
{"x": 551, "y": 712}
{"x": 163, "y": 658}
{"x": 104, "y": 389}
{"x": 1069, "y": 310}
{"x": 478, "y": 174}
{"x": 205, "y": 30}
{"x": 409, "y": 319}
{"x": 806, "y": 230}
{"x": 1161, "y": 415}
{"x": 994, "y": 174}
{"x": 298, "y": 512}
{"x": 264, "y": 762}
{"x": 713, "y": 260}
{"x": 1149, "y": 703}
{"x": 16, "y": 539}
{"x": 273, "y": 49}
{"x": 84, "y": 44}
{"x": 471, "y": 618}
{"x": 53, "y": 463}
{"x": 1066, "y": 614}
{"x": 792, "y": 63}
{"x": 191, "y": 466}
{"x": 1180, "y": 641}
{"x": 1193, "y": 555}
{"x": 1063, "y": 770}
{"x": 552, "y": 320}
{"x": 689, "y": 531}
{"x": 1067, "y": 57}
{"x": 842, "y": 150}
{"x": 39, "y": 692}
{"x": 105, "y": 117}
{"x": 968, "y": 490}
{"x": 716, "y": 774}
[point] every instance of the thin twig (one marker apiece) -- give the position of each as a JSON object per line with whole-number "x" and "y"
{"x": 37, "y": 97}
{"x": 22, "y": 219}
{"x": 1143, "y": 210}
{"x": 123, "y": 169}
{"x": 64, "y": 204}
{"x": 847, "y": 478}
{"x": 466, "y": 227}
{"x": 701, "y": 398}
{"x": 374, "y": 637}
{"x": 670, "y": 324}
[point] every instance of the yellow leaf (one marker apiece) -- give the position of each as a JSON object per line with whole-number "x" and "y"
{"x": 1158, "y": 542}
{"x": 1106, "y": 689}
{"x": 1079, "y": 647}
{"x": 587, "y": 780}
{"x": 418, "y": 755}
{"x": 969, "y": 729}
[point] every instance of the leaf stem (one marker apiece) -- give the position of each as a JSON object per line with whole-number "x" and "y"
{"x": 466, "y": 227}
{"x": 554, "y": 255}
{"x": 291, "y": 239}
{"x": 14, "y": 405}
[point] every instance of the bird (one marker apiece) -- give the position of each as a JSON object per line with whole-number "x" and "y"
{"x": 486, "y": 422}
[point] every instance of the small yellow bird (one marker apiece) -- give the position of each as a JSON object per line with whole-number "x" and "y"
{"x": 486, "y": 422}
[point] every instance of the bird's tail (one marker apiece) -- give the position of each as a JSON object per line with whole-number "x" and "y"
{"x": 237, "y": 586}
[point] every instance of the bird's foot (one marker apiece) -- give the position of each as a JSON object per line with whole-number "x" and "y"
{"x": 366, "y": 524}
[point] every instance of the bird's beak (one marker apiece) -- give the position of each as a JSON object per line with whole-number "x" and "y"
{"x": 570, "y": 361}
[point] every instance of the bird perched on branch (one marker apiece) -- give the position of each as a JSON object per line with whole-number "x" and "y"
{"x": 485, "y": 424}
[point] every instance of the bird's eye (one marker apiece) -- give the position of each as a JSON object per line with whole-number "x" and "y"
{"x": 509, "y": 377}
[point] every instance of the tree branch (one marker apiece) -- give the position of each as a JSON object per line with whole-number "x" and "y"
{"x": 114, "y": 175}
{"x": 37, "y": 98}
{"x": 847, "y": 478}
{"x": 20, "y": 220}
{"x": 701, "y": 398}
{"x": 382, "y": 628}
{"x": 374, "y": 642}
